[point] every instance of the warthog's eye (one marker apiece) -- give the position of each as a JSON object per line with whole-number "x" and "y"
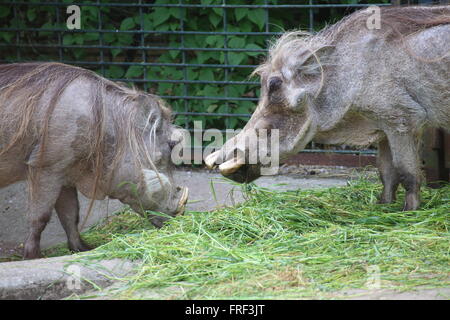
{"x": 274, "y": 84}
{"x": 172, "y": 144}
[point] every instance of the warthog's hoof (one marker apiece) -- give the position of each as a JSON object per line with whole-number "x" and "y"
{"x": 31, "y": 253}
{"x": 79, "y": 247}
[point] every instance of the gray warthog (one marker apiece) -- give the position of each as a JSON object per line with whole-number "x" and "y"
{"x": 349, "y": 84}
{"x": 64, "y": 129}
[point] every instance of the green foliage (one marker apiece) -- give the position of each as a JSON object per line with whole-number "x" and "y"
{"x": 122, "y": 47}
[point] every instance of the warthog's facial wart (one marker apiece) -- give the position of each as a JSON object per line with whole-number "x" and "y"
{"x": 160, "y": 195}
{"x": 157, "y": 185}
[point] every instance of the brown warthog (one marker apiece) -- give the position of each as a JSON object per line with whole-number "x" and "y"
{"x": 350, "y": 84}
{"x": 64, "y": 129}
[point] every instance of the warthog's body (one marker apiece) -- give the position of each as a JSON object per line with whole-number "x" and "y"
{"x": 65, "y": 129}
{"x": 355, "y": 86}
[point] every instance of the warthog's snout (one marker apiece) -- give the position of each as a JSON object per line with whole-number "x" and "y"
{"x": 236, "y": 169}
{"x": 180, "y": 197}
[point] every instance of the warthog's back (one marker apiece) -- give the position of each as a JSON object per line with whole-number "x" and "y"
{"x": 29, "y": 94}
{"x": 405, "y": 63}
{"x": 430, "y": 83}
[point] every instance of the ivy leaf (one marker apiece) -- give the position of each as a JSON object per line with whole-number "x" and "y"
{"x": 115, "y": 52}
{"x": 245, "y": 26}
{"x": 192, "y": 74}
{"x": 67, "y": 39}
{"x": 236, "y": 91}
{"x": 232, "y": 122}
{"x": 115, "y": 72}
{"x": 109, "y": 37}
{"x": 125, "y": 39}
{"x": 258, "y": 17}
{"x": 174, "y": 26}
{"x": 134, "y": 72}
{"x": 127, "y": 24}
{"x": 215, "y": 19}
{"x": 78, "y": 38}
{"x": 91, "y": 36}
{"x": 160, "y": 15}
{"x": 207, "y": 74}
{"x": 202, "y": 56}
{"x": 165, "y": 88}
{"x": 79, "y": 53}
{"x": 148, "y": 25}
{"x": 173, "y": 53}
{"x": 4, "y": 11}
{"x": 240, "y": 13}
{"x": 236, "y": 57}
{"x": 31, "y": 14}
{"x": 211, "y": 40}
{"x": 253, "y": 46}
{"x": 236, "y": 43}
{"x": 211, "y": 107}
{"x": 47, "y": 25}
{"x": 7, "y": 36}
{"x": 175, "y": 12}
{"x": 217, "y": 41}
{"x": 210, "y": 91}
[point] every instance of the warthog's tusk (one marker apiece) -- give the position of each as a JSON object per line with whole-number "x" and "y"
{"x": 183, "y": 201}
{"x": 211, "y": 159}
{"x": 231, "y": 166}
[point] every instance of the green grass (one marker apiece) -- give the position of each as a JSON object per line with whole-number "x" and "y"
{"x": 308, "y": 243}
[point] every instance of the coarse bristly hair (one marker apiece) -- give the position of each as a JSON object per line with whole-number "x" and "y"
{"x": 396, "y": 24}
{"x": 26, "y": 83}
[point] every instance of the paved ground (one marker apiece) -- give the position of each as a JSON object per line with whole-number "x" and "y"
{"x": 201, "y": 184}
{"x": 13, "y": 226}
{"x": 13, "y": 219}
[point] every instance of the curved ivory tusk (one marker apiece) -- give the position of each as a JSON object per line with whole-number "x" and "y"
{"x": 211, "y": 159}
{"x": 183, "y": 201}
{"x": 231, "y": 166}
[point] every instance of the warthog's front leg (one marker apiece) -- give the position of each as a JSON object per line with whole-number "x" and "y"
{"x": 68, "y": 210}
{"x": 405, "y": 157}
{"x": 48, "y": 186}
{"x": 388, "y": 174}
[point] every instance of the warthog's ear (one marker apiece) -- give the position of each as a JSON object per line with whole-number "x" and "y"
{"x": 313, "y": 61}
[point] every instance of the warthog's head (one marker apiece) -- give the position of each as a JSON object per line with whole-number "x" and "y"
{"x": 137, "y": 167}
{"x": 150, "y": 186}
{"x": 291, "y": 81}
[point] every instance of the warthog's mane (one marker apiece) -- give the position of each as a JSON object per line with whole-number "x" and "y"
{"x": 396, "y": 24}
{"x": 124, "y": 116}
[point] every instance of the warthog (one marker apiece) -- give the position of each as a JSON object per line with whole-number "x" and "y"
{"x": 349, "y": 84}
{"x": 64, "y": 129}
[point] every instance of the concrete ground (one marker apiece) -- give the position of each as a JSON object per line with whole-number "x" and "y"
{"x": 13, "y": 225}
{"x": 13, "y": 219}
{"x": 64, "y": 277}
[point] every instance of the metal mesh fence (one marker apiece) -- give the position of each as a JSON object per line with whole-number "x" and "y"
{"x": 195, "y": 54}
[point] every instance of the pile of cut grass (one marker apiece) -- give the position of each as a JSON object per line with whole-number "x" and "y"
{"x": 306, "y": 243}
